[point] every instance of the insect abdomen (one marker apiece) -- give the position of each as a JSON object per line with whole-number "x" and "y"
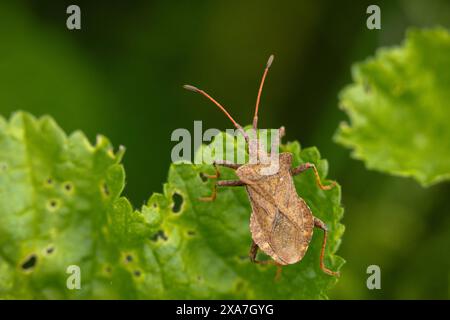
{"x": 284, "y": 236}
{"x": 281, "y": 223}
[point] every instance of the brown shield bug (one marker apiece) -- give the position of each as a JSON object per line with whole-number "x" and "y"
{"x": 281, "y": 223}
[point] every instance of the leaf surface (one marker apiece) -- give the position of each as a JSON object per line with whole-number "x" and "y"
{"x": 399, "y": 108}
{"x": 61, "y": 205}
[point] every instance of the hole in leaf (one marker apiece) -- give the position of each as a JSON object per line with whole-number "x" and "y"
{"x": 137, "y": 273}
{"x": 50, "y": 250}
{"x": 203, "y": 177}
{"x": 129, "y": 258}
{"x": 191, "y": 233}
{"x": 49, "y": 181}
{"x": 68, "y": 186}
{"x": 53, "y": 204}
{"x": 105, "y": 189}
{"x": 159, "y": 235}
{"x": 29, "y": 263}
{"x": 177, "y": 202}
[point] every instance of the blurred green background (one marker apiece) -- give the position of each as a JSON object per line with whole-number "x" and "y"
{"x": 121, "y": 76}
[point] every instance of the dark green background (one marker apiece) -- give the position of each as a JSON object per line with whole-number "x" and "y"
{"x": 121, "y": 76}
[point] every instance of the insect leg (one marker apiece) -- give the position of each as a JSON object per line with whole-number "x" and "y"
{"x": 319, "y": 224}
{"x": 305, "y": 166}
{"x": 252, "y": 255}
{"x": 227, "y": 164}
{"x": 253, "y": 252}
{"x": 223, "y": 164}
{"x": 222, "y": 183}
{"x": 214, "y": 176}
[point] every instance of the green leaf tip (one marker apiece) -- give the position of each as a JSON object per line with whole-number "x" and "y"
{"x": 61, "y": 206}
{"x": 399, "y": 106}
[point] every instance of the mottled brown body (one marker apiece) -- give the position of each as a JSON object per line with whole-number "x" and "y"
{"x": 281, "y": 222}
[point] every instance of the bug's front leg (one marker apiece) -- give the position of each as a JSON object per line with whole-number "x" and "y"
{"x": 227, "y": 164}
{"x": 223, "y": 164}
{"x": 319, "y": 224}
{"x": 305, "y": 166}
{"x": 222, "y": 183}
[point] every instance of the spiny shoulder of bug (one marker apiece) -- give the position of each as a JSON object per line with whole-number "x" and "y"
{"x": 259, "y": 165}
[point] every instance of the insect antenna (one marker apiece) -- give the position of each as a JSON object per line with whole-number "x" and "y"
{"x": 255, "y": 118}
{"x": 203, "y": 93}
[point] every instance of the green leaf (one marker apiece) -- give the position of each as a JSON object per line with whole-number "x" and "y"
{"x": 60, "y": 205}
{"x": 399, "y": 108}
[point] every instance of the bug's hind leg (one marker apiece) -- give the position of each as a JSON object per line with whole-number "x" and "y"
{"x": 253, "y": 252}
{"x": 319, "y": 224}
{"x": 252, "y": 255}
{"x": 222, "y": 183}
{"x": 305, "y": 166}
